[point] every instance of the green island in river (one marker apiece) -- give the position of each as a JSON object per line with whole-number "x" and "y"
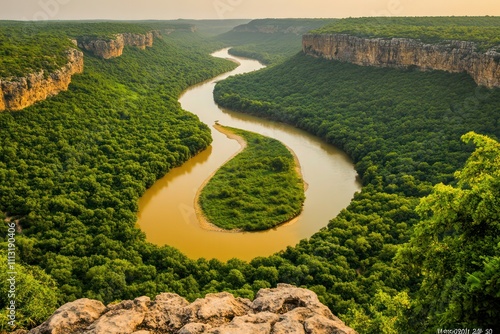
{"x": 260, "y": 188}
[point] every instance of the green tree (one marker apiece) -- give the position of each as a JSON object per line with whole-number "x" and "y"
{"x": 454, "y": 249}
{"x": 34, "y": 292}
{"x": 235, "y": 278}
{"x": 386, "y": 314}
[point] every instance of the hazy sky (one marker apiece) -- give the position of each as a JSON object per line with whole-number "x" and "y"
{"x": 227, "y": 9}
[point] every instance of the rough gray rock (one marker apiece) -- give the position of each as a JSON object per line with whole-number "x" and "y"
{"x": 282, "y": 310}
{"x": 122, "y": 318}
{"x": 164, "y": 312}
{"x": 451, "y": 56}
{"x": 215, "y": 309}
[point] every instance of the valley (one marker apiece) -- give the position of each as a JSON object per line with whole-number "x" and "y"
{"x": 399, "y": 229}
{"x": 175, "y": 193}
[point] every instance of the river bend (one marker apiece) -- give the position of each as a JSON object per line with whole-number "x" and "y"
{"x": 166, "y": 210}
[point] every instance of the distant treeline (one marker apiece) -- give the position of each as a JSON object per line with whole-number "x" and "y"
{"x": 270, "y": 40}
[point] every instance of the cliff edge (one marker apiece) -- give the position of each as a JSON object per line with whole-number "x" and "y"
{"x": 285, "y": 309}
{"x": 17, "y": 93}
{"x": 451, "y": 56}
{"x": 113, "y": 48}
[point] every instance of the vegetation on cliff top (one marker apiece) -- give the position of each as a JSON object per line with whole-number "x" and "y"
{"x": 484, "y": 31}
{"x": 22, "y": 53}
{"x": 27, "y": 47}
{"x": 257, "y": 189}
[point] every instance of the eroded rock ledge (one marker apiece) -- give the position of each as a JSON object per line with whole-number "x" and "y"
{"x": 285, "y": 309}
{"x": 17, "y": 93}
{"x": 451, "y": 56}
{"x": 113, "y": 48}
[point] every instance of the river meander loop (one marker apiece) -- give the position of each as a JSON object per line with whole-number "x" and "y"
{"x": 167, "y": 210}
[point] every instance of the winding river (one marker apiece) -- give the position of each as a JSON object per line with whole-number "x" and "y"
{"x": 166, "y": 210}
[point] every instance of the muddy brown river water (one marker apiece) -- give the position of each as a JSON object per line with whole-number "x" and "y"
{"x": 166, "y": 210}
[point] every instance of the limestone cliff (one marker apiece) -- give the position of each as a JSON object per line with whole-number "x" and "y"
{"x": 17, "y": 93}
{"x": 451, "y": 56}
{"x": 113, "y": 48}
{"x": 286, "y": 309}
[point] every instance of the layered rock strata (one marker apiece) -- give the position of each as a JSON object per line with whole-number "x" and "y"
{"x": 17, "y": 93}
{"x": 451, "y": 56}
{"x": 285, "y": 309}
{"x": 113, "y": 48}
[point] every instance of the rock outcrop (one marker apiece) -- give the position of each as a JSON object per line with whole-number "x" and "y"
{"x": 17, "y": 93}
{"x": 285, "y": 309}
{"x": 113, "y": 48}
{"x": 451, "y": 56}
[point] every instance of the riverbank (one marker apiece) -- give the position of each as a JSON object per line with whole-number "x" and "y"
{"x": 258, "y": 189}
{"x": 202, "y": 219}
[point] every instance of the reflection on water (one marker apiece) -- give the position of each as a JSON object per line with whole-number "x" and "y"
{"x": 166, "y": 211}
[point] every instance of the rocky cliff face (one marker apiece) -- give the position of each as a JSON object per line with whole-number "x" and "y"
{"x": 114, "y": 48}
{"x": 286, "y": 309}
{"x": 20, "y": 92}
{"x": 452, "y": 56}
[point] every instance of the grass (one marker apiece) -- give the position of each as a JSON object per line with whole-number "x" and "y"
{"x": 258, "y": 189}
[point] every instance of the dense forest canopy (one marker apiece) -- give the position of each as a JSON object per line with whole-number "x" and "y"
{"x": 289, "y": 26}
{"x": 455, "y": 248}
{"x": 22, "y": 53}
{"x": 73, "y": 167}
{"x": 484, "y": 31}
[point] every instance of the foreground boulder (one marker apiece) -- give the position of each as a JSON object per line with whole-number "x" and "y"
{"x": 285, "y": 309}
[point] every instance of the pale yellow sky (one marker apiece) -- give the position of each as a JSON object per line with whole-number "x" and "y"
{"x": 228, "y": 9}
